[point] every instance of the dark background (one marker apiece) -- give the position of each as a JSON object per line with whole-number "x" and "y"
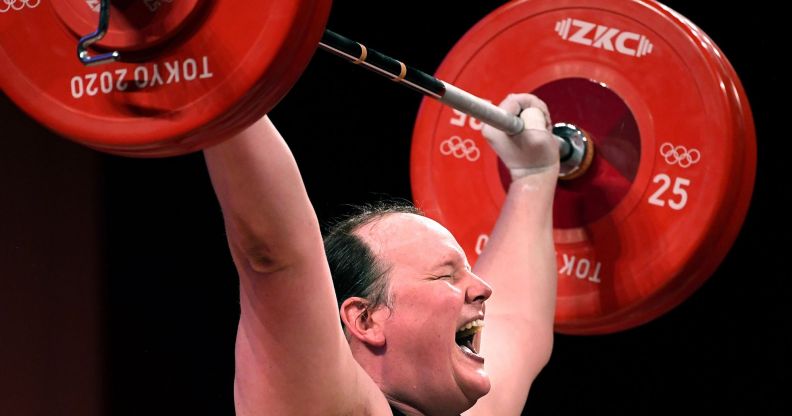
{"x": 118, "y": 295}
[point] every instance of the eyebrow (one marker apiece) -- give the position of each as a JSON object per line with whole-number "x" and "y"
{"x": 453, "y": 263}
{"x": 447, "y": 263}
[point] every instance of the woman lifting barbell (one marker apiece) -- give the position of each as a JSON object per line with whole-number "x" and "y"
{"x": 413, "y": 309}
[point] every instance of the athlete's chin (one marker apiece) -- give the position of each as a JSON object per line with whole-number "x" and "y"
{"x": 470, "y": 375}
{"x": 475, "y": 385}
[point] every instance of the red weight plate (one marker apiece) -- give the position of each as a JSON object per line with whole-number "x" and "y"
{"x": 675, "y": 150}
{"x": 200, "y": 72}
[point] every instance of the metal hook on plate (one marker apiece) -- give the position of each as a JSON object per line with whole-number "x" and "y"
{"x": 88, "y": 40}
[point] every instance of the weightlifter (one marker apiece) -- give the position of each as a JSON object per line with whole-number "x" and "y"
{"x": 422, "y": 332}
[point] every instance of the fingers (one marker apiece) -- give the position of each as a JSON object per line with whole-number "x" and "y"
{"x": 530, "y": 108}
{"x": 513, "y": 103}
{"x": 534, "y": 119}
{"x": 516, "y": 103}
{"x": 531, "y": 151}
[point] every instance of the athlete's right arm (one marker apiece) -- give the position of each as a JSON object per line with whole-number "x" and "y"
{"x": 291, "y": 354}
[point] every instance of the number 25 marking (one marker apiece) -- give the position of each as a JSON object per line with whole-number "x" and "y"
{"x": 678, "y": 190}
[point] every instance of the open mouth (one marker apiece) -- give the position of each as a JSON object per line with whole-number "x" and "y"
{"x": 464, "y": 336}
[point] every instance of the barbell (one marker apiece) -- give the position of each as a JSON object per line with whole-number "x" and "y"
{"x": 641, "y": 223}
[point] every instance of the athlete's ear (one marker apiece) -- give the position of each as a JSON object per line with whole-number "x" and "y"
{"x": 364, "y": 322}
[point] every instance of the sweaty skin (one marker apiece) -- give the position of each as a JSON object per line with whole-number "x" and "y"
{"x": 292, "y": 356}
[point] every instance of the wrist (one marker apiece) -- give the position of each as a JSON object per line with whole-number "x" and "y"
{"x": 550, "y": 171}
{"x": 539, "y": 179}
{"x": 533, "y": 195}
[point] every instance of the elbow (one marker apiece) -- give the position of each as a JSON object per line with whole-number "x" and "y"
{"x": 540, "y": 336}
{"x": 263, "y": 259}
{"x": 264, "y": 254}
{"x": 545, "y": 347}
{"x": 541, "y": 347}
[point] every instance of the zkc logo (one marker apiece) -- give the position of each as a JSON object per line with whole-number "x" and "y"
{"x": 603, "y": 37}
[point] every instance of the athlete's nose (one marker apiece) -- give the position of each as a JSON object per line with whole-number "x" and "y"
{"x": 478, "y": 290}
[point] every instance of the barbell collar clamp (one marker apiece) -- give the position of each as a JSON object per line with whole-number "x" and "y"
{"x": 581, "y": 154}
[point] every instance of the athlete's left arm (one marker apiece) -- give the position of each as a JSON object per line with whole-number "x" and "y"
{"x": 519, "y": 263}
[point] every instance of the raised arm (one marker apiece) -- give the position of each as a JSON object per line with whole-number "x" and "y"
{"x": 291, "y": 354}
{"x": 519, "y": 262}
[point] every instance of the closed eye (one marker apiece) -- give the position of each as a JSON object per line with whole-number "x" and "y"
{"x": 442, "y": 277}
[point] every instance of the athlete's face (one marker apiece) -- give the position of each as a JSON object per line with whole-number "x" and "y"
{"x": 430, "y": 364}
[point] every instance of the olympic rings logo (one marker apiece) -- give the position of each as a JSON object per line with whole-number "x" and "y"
{"x": 17, "y": 5}
{"x": 679, "y": 154}
{"x": 455, "y": 146}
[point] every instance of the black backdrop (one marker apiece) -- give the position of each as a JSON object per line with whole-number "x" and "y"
{"x": 168, "y": 288}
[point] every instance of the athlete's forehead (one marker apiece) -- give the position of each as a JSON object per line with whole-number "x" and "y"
{"x": 404, "y": 236}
